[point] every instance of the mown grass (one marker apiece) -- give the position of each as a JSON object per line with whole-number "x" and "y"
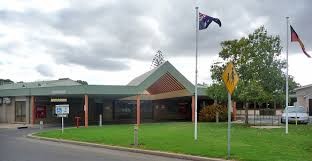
{"x": 246, "y": 143}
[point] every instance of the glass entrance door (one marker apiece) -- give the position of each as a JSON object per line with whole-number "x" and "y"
{"x": 20, "y": 111}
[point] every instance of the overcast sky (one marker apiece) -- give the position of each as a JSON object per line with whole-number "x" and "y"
{"x": 111, "y": 42}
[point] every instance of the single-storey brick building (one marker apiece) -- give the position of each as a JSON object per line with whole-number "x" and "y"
{"x": 304, "y": 97}
{"x": 161, "y": 94}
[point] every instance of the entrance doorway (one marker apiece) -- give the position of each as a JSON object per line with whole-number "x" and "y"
{"x": 20, "y": 111}
{"x": 310, "y": 107}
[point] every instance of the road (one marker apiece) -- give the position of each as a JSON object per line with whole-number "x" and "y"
{"x": 14, "y": 146}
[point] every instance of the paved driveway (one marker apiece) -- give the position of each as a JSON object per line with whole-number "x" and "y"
{"x": 16, "y": 147}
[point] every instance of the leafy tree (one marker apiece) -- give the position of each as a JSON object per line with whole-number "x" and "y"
{"x": 258, "y": 64}
{"x": 217, "y": 92}
{"x": 158, "y": 59}
{"x": 82, "y": 82}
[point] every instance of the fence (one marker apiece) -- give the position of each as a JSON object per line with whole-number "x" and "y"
{"x": 261, "y": 117}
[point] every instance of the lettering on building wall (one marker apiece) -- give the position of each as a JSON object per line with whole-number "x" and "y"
{"x": 58, "y": 100}
{"x": 6, "y": 100}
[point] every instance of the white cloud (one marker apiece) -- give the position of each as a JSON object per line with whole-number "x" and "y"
{"x": 299, "y": 67}
{"x": 24, "y": 5}
{"x": 45, "y": 70}
{"x": 111, "y": 42}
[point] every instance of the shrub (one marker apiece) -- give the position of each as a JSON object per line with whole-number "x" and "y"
{"x": 208, "y": 113}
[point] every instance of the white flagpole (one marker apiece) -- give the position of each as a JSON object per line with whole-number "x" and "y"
{"x": 196, "y": 53}
{"x": 286, "y": 108}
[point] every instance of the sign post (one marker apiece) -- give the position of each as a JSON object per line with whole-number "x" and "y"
{"x": 62, "y": 125}
{"x": 230, "y": 79}
{"x": 62, "y": 111}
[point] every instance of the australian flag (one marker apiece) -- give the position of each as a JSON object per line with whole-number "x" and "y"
{"x": 205, "y": 20}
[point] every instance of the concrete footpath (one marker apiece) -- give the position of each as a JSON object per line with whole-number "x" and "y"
{"x": 14, "y": 126}
{"x": 150, "y": 152}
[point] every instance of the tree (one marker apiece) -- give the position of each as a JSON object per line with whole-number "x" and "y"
{"x": 158, "y": 59}
{"x": 82, "y": 82}
{"x": 217, "y": 92}
{"x": 258, "y": 64}
{"x": 250, "y": 92}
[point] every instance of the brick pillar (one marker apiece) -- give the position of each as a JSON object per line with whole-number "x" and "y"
{"x": 193, "y": 108}
{"x": 86, "y": 108}
{"x": 33, "y": 112}
{"x": 138, "y": 114}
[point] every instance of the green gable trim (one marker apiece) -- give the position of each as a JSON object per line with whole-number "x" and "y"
{"x": 160, "y": 71}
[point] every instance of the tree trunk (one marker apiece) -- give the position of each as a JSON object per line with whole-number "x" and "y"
{"x": 246, "y": 113}
{"x": 274, "y": 107}
{"x": 217, "y": 113}
{"x": 215, "y": 102}
{"x": 255, "y": 106}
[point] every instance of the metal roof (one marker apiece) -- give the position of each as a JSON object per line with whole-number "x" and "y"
{"x": 72, "y": 90}
{"x": 164, "y": 78}
{"x": 38, "y": 84}
{"x": 138, "y": 80}
{"x": 303, "y": 87}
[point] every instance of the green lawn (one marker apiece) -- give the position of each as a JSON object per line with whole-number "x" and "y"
{"x": 247, "y": 143}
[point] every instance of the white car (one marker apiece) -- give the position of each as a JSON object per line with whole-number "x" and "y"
{"x": 295, "y": 113}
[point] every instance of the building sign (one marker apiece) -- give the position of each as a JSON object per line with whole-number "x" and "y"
{"x": 58, "y": 100}
{"x": 6, "y": 100}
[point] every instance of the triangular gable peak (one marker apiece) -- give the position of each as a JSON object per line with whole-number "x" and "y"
{"x": 163, "y": 79}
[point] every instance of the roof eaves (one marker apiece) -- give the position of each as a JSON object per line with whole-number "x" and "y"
{"x": 303, "y": 87}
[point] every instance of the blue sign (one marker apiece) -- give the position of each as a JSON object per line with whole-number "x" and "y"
{"x": 62, "y": 109}
{"x": 58, "y": 110}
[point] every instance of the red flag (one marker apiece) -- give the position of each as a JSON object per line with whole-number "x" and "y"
{"x": 294, "y": 37}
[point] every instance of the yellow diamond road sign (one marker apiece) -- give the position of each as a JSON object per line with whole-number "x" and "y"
{"x": 230, "y": 77}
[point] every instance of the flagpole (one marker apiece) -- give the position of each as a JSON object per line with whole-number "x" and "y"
{"x": 196, "y": 55}
{"x": 286, "y": 108}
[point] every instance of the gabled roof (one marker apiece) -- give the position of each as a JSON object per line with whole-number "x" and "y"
{"x": 162, "y": 79}
{"x": 139, "y": 79}
{"x": 38, "y": 84}
{"x": 146, "y": 80}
